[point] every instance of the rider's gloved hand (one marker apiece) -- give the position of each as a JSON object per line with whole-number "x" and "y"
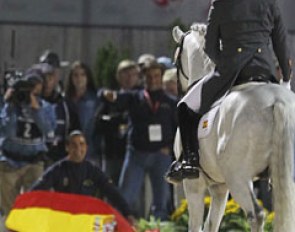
{"x": 286, "y": 84}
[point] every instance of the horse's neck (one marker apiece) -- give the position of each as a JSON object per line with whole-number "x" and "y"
{"x": 199, "y": 64}
{"x": 199, "y": 68}
{"x": 196, "y": 64}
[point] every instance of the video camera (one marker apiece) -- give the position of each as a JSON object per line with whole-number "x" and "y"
{"x": 21, "y": 85}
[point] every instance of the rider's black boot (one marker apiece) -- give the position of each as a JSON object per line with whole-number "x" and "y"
{"x": 190, "y": 161}
{"x": 187, "y": 166}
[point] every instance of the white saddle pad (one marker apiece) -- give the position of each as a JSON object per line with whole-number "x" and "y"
{"x": 207, "y": 121}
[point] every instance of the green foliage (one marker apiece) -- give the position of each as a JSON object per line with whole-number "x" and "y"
{"x": 155, "y": 225}
{"x": 107, "y": 59}
{"x": 234, "y": 221}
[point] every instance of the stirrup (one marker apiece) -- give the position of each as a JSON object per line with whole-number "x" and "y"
{"x": 174, "y": 175}
{"x": 190, "y": 171}
{"x": 190, "y": 167}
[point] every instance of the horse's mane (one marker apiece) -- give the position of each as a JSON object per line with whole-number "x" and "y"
{"x": 199, "y": 27}
{"x": 199, "y": 30}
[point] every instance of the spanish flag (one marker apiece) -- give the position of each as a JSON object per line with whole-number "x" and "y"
{"x": 42, "y": 211}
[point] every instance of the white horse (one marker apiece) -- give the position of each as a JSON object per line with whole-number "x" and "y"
{"x": 253, "y": 130}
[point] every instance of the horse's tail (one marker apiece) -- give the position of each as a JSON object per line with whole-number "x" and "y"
{"x": 282, "y": 167}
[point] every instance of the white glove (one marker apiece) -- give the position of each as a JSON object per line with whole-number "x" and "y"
{"x": 286, "y": 84}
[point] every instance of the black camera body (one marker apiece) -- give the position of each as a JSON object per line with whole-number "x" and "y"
{"x": 22, "y": 91}
{"x": 21, "y": 86}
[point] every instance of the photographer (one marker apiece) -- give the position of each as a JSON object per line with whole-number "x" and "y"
{"x": 25, "y": 121}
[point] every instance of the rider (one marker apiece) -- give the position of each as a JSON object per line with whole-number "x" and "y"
{"x": 239, "y": 44}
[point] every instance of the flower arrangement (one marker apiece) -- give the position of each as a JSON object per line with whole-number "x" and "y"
{"x": 234, "y": 218}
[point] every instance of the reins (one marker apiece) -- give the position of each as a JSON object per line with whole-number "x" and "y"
{"x": 178, "y": 63}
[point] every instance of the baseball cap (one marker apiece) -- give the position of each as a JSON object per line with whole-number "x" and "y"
{"x": 44, "y": 68}
{"x": 52, "y": 58}
{"x": 32, "y": 76}
{"x": 170, "y": 75}
{"x": 166, "y": 61}
{"x": 146, "y": 58}
{"x": 126, "y": 64}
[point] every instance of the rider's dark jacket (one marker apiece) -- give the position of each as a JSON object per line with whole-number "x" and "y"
{"x": 240, "y": 39}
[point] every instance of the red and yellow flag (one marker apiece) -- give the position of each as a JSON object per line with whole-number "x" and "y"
{"x": 59, "y": 212}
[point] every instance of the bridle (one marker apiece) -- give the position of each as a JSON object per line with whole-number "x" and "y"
{"x": 178, "y": 63}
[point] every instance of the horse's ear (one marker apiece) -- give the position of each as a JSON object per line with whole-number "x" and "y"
{"x": 177, "y": 33}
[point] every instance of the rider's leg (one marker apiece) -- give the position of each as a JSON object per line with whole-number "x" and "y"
{"x": 200, "y": 98}
{"x": 188, "y": 124}
{"x": 187, "y": 166}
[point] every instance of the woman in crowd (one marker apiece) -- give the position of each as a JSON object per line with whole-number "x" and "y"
{"x": 81, "y": 93}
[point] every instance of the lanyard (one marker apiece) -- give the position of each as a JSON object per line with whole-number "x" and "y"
{"x": 154, "y": 107}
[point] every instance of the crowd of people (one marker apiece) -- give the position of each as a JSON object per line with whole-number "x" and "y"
{"x": 62, "y": 134}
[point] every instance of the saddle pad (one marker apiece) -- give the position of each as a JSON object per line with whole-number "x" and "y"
{"x": 207, "y": 121}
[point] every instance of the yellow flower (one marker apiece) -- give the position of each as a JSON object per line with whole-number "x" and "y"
{"x": 207, "y": 201}
{"x": 231, "y": 211}
{"x": 231, "y": 207}
{"x": 260, "y": 202}
{"x": 270, "y": 217}
{"x": 180, "y": 210}
{"x": 231, "y": 203}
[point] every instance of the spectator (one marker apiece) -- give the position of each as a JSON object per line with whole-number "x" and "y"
{"x": 81, "y": 93}
{"x": 25, "y": 121}
{"x": 76, "y": 175}
{"x": 170, "y": 82}
{"x": 113, "y": 121}
{"x": 67, "y": 119}
{"x": 166, "y": 61}
{"x": 153, "y": 124}
{"x": 143, "y": 59}
{"x": 51, "y": 58}
{"x": 128, "y": 75}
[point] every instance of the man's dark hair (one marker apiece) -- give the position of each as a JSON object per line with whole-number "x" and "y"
{"x": 153, "y": 65}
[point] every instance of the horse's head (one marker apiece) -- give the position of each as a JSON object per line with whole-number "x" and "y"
{"x": 192, "y": 61}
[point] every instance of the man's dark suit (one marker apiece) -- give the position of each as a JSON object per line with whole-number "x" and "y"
{"x": 239, "y": 38}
